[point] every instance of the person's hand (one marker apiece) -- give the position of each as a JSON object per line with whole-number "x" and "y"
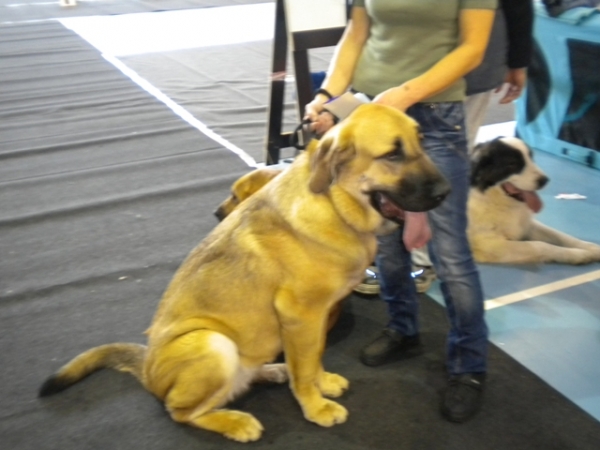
{"x": 397, "y": 97}
{"x": 416, "y": 231}
{"x": 314, "y": 108}
{"x": 321, "y": 120}
{"x": 514, "y": 83}
{"x": 324, "y": 122}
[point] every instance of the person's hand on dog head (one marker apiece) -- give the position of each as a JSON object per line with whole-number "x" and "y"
{"x": 399, "y": 97}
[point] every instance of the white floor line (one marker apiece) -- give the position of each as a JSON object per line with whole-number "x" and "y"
{"x": 171, "y": 30}
{"x": 179, "y": 110}
{"x": 542, "y": 290}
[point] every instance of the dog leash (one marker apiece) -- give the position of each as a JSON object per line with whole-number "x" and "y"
{"x": 302, "y": 135}
{"x": 339, "y": 107}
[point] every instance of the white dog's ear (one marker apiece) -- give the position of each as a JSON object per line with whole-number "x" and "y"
{"x": 330, "y": 155}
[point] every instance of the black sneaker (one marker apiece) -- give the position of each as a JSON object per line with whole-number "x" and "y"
{"x": 387, "y": 344}
{"x": 463, "y": 396}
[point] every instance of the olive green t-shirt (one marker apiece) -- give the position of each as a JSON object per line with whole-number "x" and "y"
{"x": 408, "y": 37}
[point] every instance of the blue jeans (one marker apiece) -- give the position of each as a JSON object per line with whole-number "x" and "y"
{"x": 444, "y": 140}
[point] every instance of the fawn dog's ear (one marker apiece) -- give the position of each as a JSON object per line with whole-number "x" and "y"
{"x": 332, "y": 152}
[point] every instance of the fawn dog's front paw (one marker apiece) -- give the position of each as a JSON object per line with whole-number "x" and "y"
{"x": 326, "y": 413}
{"x": 332, "y": 384}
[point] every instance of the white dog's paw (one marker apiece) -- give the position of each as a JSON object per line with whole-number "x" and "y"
{"x": 594, "y": 249}
{"x": 578, "y": 256}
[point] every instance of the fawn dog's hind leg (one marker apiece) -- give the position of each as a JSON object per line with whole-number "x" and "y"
{"x": 200, "y": 372}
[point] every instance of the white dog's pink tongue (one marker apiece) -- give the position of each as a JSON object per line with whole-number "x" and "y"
{"x": 531, "y": 199}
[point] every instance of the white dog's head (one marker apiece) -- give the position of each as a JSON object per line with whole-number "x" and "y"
{"x": 507, "y": 163}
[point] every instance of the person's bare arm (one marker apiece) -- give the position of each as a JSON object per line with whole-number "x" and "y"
{"x": 341, "y": 68}
{"x": 347, "y": 52}
{"x": 475, "y": 27}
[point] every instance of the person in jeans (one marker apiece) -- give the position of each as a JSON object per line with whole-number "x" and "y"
{"x": 413, "y": 55}
{"x": 504, "y": 68}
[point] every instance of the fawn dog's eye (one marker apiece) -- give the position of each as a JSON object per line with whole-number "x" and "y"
{"x": 397, "y": 154}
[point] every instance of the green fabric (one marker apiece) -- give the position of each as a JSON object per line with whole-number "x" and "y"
{"x": 407, "y": 38}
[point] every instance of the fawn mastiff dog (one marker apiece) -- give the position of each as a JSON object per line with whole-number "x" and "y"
{"x": 241, "y": 190}
{"x": 254, "y": 286}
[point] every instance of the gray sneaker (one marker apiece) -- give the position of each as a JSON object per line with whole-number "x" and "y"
{"x": 370, "y": 283}
{"x": 423, "y": 276}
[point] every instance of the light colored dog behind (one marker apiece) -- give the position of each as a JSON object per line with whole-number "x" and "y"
{"x": 243, "y": 188}
{"x": 502, "y": 205}
{"x": 255, "y": 285}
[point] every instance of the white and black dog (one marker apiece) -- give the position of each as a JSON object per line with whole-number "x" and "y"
{"x": 502, "y": 205}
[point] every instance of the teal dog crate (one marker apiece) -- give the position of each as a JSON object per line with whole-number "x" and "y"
{"x": 559, "y": 111}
